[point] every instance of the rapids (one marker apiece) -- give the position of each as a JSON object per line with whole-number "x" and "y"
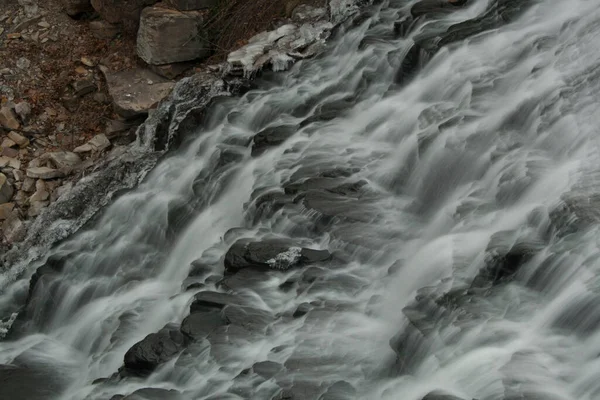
{"x": 419, "y": 187}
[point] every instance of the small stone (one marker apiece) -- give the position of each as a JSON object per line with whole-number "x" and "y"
{"x": 44, "y": 173}
{"x": 100, "y": 98}
{"x": 63, "y": 159}
{"x": 41, "y": 193}
{"x": 18, "y": 174}
{"x": 87, "y": 61}
{"x": 13, "y": 36}
{"x": 60, "y": 191}
{"x": 28, "y": 185}
{"x": 14, "y": 163}
{"x": 84, "y": 148}
{"x": 23, "y": 63}
{"x": 81, "y": 70}
{"x": 36, "y": 207}
{"x": 7, "y": 143}
{"x": 44, "y": 40}
{"x": 21, "y": 140}
{"x": 5, "y": 210}
{"x": 9, "y": 152}
{"x": 8, "y": 118}
{"x": 83, "y": 87}
{"x": 4, "y": 161}
{"x": 99, "y": 142}
{"x": 6, "y": 190}
{"x": 44, "y": 24}
{"x": 23, "y": 110}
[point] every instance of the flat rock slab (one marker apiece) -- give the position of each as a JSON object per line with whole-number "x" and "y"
{"x": 277, "y": 254}
{"x": 207, "y": 300}
{"x": 136, "y": 91}
{"x": 199, "y": 325}
{"x": 44, "y": 173}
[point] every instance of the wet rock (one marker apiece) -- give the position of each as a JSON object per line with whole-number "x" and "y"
{"x": 267, "y": 369}
{"x": 153, "y": 350}
{"x": 437, "y": 395}
{"x": 208, "y": 301}
{"x": 104, "y": 30}
{"x": 505, "y": 255}
{"x": 154, "y": 394}
{"x": 271, "y": 137}
{"x": 61, "y": 191}
{"x": 135, "y": 92}
{"x": 6, "y": 189}
{"x": 188, "y": 5}
{"x": 8, "y": 119}
{"x": 121, "y": 11}
{"x": 168, "y": 36}
{"x": 198, "y": 268}
{"x": 199, "y": 325}
{"x": 44, "y": 173}
{"x": 302, "y": 310}
{"x": 272, "y": 254}
{"x": 340, "y": 390}
{"x": 433, "y": 7}
{"x": 76, "y": 7}
{"x": 251, "y": 319}
{"x": 306, "y": 13}
{"x": 26, "y": 383}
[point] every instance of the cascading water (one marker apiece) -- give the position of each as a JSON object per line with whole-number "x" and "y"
{"x": 458, "y": 209}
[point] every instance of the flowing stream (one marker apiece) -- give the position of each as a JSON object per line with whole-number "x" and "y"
{"x": 487, "y": 156}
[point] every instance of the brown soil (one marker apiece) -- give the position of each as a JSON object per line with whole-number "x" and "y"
{"x": 53, "y": 59}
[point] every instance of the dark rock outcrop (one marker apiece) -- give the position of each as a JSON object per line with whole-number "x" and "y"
{"x": 271, "y": 137}
{"x": 199, "y": 325}
{"x": 155, "y": 349}
{"x": 270, "y": 254}
{"x": 210, "y": 301}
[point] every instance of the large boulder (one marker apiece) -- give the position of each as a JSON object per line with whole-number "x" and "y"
{"x": 168, "y": 36}
{"x": 270, "y": 254}
{"x": 155, "y": 349}
{"x": 121, "y": 11}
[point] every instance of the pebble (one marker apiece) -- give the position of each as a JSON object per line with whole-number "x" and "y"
{"x": 23, "y": 63}
{"x": 44, "y": 24}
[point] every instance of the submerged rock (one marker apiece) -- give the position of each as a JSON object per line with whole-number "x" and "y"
{"x": 153, "y": 350}
{"x": 275, "y": 254}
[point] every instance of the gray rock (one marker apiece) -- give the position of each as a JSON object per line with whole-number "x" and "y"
{"x": 14, "y": 229}
{"x": 168, "y": 36}
{"x": 155, "y": 349}
{"x": 6, "y": 189}
{"x": 199, "y": 325}
{"x": 44, "y": 173}
{"x": 6, "y": 210}
{"x": 305, "y": 13}
{"x": 8, "y": 119}
{"x": 135, "y": 92}
{"x": 63, "y": 159}
{"x": 23, "y": 110}
{"x": 207, "y": 301}
{"x": 83, "y": 87}
{"x": 18, "y": 139}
